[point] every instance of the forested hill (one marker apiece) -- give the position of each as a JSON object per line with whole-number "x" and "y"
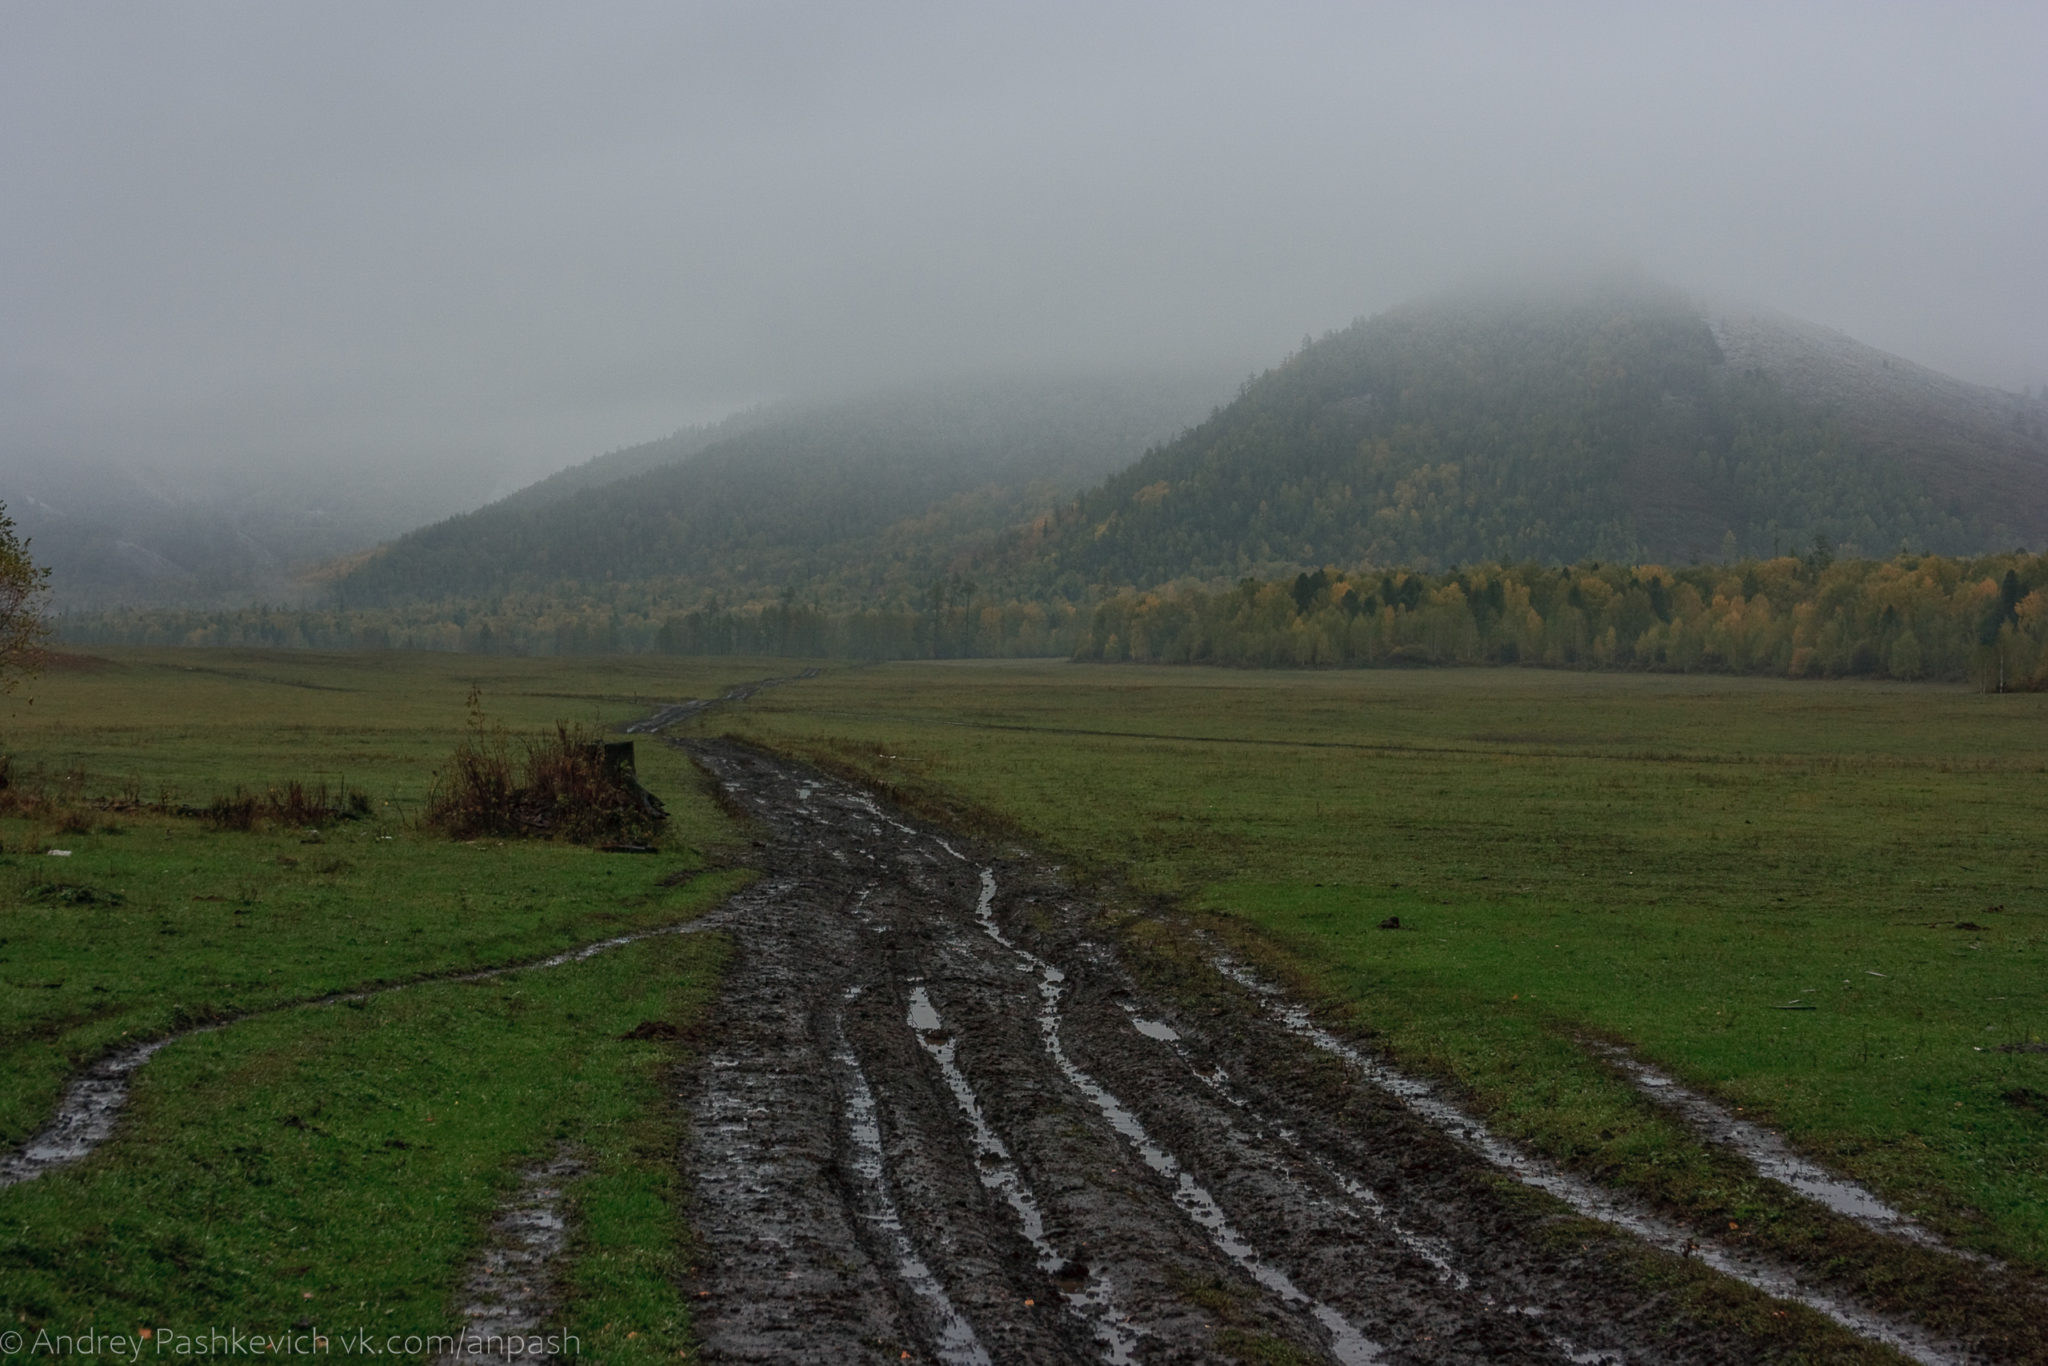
{"x": 1601, "y": 421}
{"x": 857, "y": 501}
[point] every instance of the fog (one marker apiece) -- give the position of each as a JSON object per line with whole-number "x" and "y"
{"x": 481, "y": 241}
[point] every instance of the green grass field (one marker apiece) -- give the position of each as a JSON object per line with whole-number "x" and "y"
{"x": 336, "y": 1164}
{"x": 1667, "y": 862}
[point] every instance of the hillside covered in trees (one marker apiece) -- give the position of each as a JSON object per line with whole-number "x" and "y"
{"x": 858, "y": 502}
{"x": 1320, "y": 518}
{"x": 1604, "y": 420}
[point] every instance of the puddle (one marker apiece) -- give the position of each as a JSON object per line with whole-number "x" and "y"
{"x": 957, "y": 1344}
{"x": 506, "y": 1294}
{"x": 1349, "y": 1346}
{"x": 94, "y": 1099}
{"x": 1086, "y": 1290}
{"x": 1771, "y": 1155}
{"x": 1154, "y": 1029}
{"x": 1582, "y": 1196}
{"x": 85, "y": 1116}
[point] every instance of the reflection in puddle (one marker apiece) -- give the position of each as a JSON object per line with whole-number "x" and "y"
{"x": 1154, "y": 1029}
{"x": 1086, "y": 1290}
{"x": 957, "y": 1345}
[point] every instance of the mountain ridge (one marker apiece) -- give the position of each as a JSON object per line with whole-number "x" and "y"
{"x": 1601, "y": 421}
{"x": 827, "y": 497}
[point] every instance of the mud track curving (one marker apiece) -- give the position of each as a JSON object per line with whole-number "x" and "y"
{"x": 94, "y": 1099}
{"x": 943, "y": 1119}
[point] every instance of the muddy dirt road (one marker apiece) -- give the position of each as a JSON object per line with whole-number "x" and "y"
{"x": 941, "y": 1118}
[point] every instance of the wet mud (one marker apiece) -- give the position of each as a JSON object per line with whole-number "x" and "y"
{"x": 944, "y": 1118}
{"x": 510, "y": 1292}
{"x": 85, "y": 1117}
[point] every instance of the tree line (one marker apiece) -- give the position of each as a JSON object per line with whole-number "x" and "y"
{"x": 1908, "y": 617}
{"x": 955, "y": 621}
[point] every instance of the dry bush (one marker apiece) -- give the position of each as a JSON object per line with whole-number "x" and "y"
{"x": 237, "y": 812}
{"x": 568, "y": 785}
{"x": 292, "y": 803}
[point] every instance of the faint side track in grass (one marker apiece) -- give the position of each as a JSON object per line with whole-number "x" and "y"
{"x": 1479, "y": 749}
{"x": 1596, "y": 1202}
{"x": 94, "y": 1098}
{"x": 1768, "y": 1152}
{"x": 510, "y": 1289}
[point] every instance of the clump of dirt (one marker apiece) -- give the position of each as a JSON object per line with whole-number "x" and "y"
{"x": 653, "y": 1029}
{"x": 72, "y": 894}
{"x": 570, "y": 784}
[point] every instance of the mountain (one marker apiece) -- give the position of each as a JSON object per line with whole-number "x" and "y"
{"x": 115, "y": 534}
{"x": 852, "y": 501}
{"x": 1609, "y": 419}
{"x": 124, "y": 534}
{"x": 624, "y": 464}
{"x": 1979, "y": 448}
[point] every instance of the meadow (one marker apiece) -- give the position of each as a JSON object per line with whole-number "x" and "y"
{"x": 336, "y": 1162}
{"x": 1821, "y": 902}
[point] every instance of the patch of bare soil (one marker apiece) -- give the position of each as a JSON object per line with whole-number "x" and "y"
{"x": 945, "y": 1121}
{"x": 510, "y": 1293}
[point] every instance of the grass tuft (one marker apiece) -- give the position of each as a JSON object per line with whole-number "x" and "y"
{"x": 571, "y": 785}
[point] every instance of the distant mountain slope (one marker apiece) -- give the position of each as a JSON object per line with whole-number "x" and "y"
{"x": 859, "y": 500}
{"x": 1979, "y": 447}
{"x": 1602, "y": 420}
{"x": 610, "y": 468}
{"x": 125, "y": 535}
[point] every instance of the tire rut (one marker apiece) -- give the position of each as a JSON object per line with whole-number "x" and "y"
{"x": 96, "y": 1095}
{"x": 945, "y": 1121}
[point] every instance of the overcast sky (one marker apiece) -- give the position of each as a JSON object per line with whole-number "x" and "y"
{"x": 510, "y": 236}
